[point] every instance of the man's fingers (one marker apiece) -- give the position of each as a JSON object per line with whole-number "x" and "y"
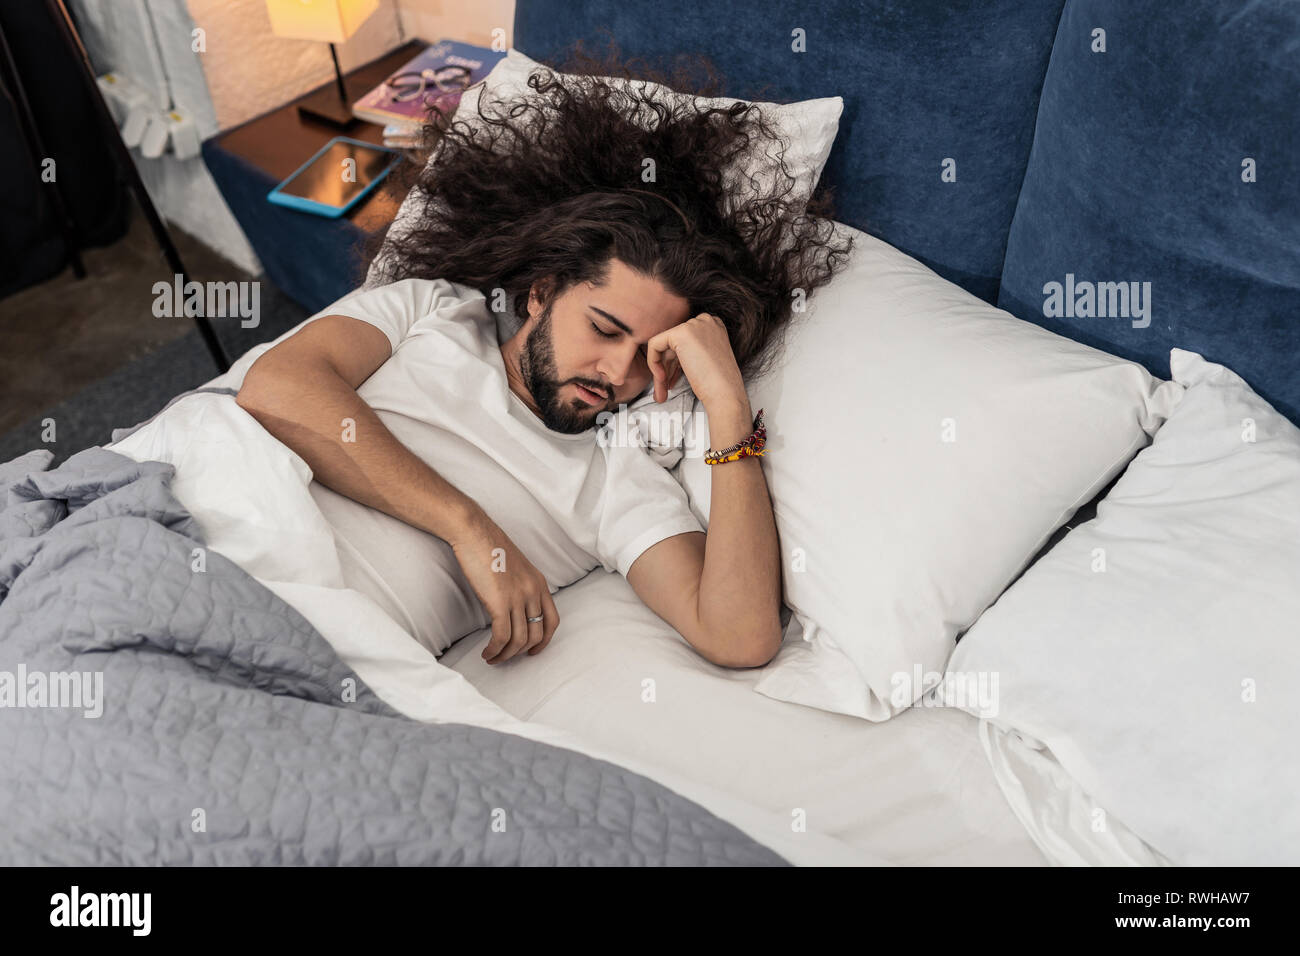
{"x": 673, "y": 374}
{"x": 549, "y": 625}
{"x": 518, "y": 634}
{"x": 500, "y": 633}
{"x": 536, "y": 628}
{"x": 662, "y": 361}
{"x": 656, "y": 370}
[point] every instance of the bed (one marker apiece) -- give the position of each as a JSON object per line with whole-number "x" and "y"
{"x": 1097, "y": 446}
{"x": 916, "y": 790}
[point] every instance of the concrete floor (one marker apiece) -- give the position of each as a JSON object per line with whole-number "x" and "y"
{"x": 62, "y": 335}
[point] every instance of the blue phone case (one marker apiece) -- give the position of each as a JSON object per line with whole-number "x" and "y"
{"x": 322, "y": 209}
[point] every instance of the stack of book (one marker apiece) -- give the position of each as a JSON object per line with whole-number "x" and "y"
{"x": 434, "y": 80}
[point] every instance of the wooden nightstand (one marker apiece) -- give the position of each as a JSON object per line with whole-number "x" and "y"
{"x": 313, "y": 259}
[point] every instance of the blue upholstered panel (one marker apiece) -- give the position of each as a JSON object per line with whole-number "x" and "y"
{"x": 922, "y": 82}
{"x": 1136, "y": 175}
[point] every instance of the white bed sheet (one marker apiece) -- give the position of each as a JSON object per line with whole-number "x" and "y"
{"x": 915, "y": 790}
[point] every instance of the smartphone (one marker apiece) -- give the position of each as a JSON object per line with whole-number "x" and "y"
{"x": 340, "y": 175}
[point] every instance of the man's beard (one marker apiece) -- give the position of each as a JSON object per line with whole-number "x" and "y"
{"x": 537, "y": 368}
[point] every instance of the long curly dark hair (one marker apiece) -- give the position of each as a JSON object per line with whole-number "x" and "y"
{"x": 551, "y": 186}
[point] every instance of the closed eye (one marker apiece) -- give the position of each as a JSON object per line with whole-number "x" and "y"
{"x": 612, "y": 335}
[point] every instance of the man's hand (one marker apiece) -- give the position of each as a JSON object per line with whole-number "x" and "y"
{"x": 700, "y": 348}
{"x": 510, "y": 588}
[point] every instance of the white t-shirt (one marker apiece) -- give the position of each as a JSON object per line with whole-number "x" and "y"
{"x": 570, "y": 503}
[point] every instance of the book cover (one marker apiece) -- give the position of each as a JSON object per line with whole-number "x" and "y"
{"x": 433, "y": 80}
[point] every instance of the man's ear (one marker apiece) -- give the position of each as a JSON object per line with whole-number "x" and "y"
{"x": 538, "y": 295}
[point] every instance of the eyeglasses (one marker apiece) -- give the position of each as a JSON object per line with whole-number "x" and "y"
{"x": 404, "y": 87}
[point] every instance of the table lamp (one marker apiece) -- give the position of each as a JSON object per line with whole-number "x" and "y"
{"x": 329, "y": 21}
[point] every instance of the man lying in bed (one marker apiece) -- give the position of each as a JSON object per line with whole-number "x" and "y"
{"x": 402, "y": 399}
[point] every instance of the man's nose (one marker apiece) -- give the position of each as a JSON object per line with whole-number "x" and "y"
{"x": 616, "y": 366}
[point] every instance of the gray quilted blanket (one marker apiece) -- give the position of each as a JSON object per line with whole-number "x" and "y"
{"x": 160, "y": 706}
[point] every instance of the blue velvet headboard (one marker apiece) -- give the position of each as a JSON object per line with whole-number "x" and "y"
{"x": 1131, "y": 159}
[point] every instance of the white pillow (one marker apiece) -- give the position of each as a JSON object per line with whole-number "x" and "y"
{"x": 808, "y": 127}
{"x": 1154, "y": 650}
{"x": 246, "y": 490}
{"x": 894, "y": 538}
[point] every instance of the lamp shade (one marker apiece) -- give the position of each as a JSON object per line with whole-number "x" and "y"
{"x": 329, "y": 21}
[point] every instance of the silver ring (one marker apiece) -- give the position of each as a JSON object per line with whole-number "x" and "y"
{"x": 534, "y": 620}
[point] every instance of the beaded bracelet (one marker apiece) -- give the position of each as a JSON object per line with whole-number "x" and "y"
{"x": 751, "y": 446}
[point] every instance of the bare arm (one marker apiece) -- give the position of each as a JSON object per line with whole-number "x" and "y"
{"x": 722, "y": 591}
{"x": 304, "y": 392}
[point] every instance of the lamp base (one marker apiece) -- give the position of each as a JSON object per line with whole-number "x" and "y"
{"x": 325, "y": 106}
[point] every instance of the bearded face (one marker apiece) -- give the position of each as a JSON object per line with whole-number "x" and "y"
{"x": 561, "y": 411}
{"x": 587, "y": 349}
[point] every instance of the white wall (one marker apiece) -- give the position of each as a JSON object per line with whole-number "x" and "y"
{"x": 250, "y": 71}
{"x": 245, "y": 71}
{"x": 470, "y": 21}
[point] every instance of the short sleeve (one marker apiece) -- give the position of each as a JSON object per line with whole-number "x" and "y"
{"x": 395, "y": 307}
{"x": 392, "y": 308}
{"x": 642, "y": 502}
